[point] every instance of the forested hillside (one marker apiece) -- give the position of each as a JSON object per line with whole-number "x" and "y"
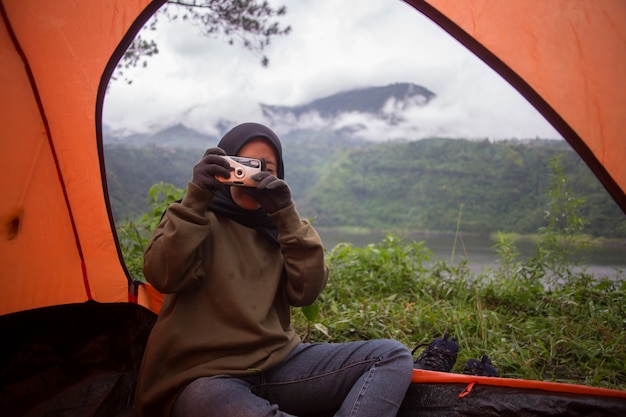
{"x": 418, "y": 186}
{"x": 422, "y": 185}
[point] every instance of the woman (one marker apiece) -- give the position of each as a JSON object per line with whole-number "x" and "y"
{"x": 232, "y": 261}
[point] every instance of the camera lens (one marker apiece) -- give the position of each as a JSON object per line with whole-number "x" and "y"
{"x": 239, "y": 172}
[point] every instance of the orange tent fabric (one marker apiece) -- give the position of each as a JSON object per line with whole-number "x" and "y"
{"x": 567, "y": 57}
{"x": 57, "y": 241}
{"x": 57, "y": 244}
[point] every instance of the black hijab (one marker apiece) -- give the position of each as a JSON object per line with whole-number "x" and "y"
{"x": 223, "y": 202}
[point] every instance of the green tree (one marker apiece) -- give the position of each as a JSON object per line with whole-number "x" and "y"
{"x": 248, "y": 23}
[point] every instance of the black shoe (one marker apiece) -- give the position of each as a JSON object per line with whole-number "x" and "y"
{"x": 480, "y": 368}
{"x": 439, "y": 355}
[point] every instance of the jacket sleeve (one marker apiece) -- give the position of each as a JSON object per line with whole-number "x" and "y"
{"x": 303, "y": 257}
{"x": 172, "y": 259}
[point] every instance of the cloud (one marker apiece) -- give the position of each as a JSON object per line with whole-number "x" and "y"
{"x": 334, "y": 46}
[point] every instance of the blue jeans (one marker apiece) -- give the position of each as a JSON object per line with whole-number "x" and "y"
{"x": 366, "y": 378}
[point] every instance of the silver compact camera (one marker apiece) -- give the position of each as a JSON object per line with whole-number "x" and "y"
{"x": 241, "y": 171}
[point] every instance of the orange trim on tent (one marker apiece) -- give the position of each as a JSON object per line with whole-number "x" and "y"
{"x": 421, "y": 376}
{"x": 150, "y": 298}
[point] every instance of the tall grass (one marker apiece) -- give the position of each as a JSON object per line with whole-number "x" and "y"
{"x": 573, "y": 331}
{"x": 545, "y": 318}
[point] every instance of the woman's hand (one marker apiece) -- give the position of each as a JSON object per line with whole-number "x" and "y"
{"x": 271, "y": 193}
{"x": 212, "y": 163}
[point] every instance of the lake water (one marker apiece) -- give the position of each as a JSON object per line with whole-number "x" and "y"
{"x": 605, "y": 261}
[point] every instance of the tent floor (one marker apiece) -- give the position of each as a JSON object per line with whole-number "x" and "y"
{"x": 72, "y": 360}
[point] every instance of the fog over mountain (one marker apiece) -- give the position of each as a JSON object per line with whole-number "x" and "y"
{"x": 376, "y": 113}
{"x": 397, "y": 111}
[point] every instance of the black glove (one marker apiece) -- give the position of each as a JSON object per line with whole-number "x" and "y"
{"x": 212, "y": 163}
{"x": 271, "y": 193}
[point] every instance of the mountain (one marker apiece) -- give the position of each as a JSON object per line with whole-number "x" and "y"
{"x": 386, "y": 103}
{"x": 368, "y": 113}
{"x": 374, "y": 113}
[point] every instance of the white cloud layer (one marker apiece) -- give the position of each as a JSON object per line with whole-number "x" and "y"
{"x": 334, "y": 46}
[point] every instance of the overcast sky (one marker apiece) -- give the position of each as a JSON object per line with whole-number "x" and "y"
{"x": 334, "y": 46}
